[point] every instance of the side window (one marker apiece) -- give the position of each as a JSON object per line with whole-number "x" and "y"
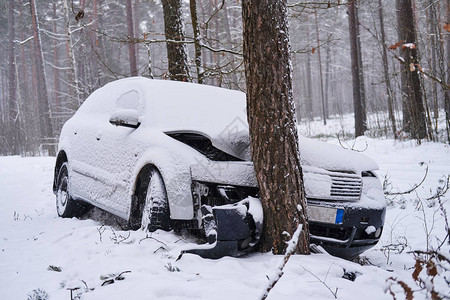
{"x": 129, "y": 100}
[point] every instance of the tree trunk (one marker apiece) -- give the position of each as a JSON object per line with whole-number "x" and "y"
{"x": 176, "y": 50}
{"x": 74, "y": 86}
{"x": 415, "y": 120}
{"x": 434, "y": 46}
{"x": 197, "y": 46}
{"x": 131, "y": 44}
{"x": 226, "y": 22}
{"x": 357, "y": 100}
{"x": 56, "y": 61}
{"x": 13, "y": 122}
{"x": 386, "y": 71}
{"x": 447, "y": 98}
{"x": 137, "y": 31}
{"x": 273, "y": 131}
{"x": 327, "y": 82}
{"x": 95, "y": 46}
{"x": 324, "y": 113}
{"x": 309, "y": 100}
{"x": 361, "y": 69}
{"x": 43, "y": 102}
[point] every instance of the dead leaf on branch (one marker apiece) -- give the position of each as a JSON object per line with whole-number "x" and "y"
{"x": 396, "y": 45}
{"x": 446, "y": 27}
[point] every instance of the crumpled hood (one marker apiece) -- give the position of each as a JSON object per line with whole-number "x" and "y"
{"x": 313, "y": 153}
{"x": 333, "y": 158}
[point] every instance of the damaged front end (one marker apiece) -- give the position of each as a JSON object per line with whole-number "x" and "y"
{"x": 231, "y": 230}
{"x": 230, "y": 218}
{"x": 226, "y": 208}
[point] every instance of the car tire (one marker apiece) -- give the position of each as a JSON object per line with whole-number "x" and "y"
{"x": 66, "y": 206}
{"x": 155, "y": 211}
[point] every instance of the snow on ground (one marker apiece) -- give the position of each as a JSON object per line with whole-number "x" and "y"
{"x": 90, "y": 254}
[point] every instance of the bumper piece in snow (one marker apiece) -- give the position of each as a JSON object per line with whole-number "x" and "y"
{"x": 231, "y": 230}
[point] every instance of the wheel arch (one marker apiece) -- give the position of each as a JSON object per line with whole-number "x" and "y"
{"x": 177, "y": 182}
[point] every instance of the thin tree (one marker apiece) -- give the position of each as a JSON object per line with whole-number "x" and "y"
{"x": 447, "y": 98}
{"x": 197, "y": 45}
{"x": 360, "y": 67}
{"x": 131, "y": 44}
{"x": 137, "y": 30}
{"x": 74, "y": 83}
{"x": 414, "y": 118}
{"x": 386, "y": 70}
{"x": 309, "y": 100}
{"x": 324, "y": 106}
{"x": 43, "y": 101}
{"x": 358, "y": 105}
{"x": 176, "y": 49}
{"x": 273, "y": 131}
{"x": 13, "y": 123}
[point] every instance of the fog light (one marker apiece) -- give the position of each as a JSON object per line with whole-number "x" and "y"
{"x": 377, "y": 233}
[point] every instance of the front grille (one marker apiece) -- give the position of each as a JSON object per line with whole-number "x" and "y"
{"x": 345, "y": 186}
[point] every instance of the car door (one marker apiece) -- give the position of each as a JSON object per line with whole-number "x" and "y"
{"x": 104, "y": 169}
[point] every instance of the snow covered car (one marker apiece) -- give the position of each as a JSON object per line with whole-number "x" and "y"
{"x": 163, "y": 155}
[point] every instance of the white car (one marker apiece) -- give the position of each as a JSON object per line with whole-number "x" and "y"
{"x": 163, "y": 154}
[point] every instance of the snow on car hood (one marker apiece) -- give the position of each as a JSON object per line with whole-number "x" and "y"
{"x": 313, "y": 153}
{"x": 333, "y": 158}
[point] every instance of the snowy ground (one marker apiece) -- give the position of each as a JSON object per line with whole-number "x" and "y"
{"x": 33, "y": 238}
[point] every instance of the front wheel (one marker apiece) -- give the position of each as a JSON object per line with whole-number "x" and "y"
{"x": 65, "y": 205}
{"x": 155, "y": 212}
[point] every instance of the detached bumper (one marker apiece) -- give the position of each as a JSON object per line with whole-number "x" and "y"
{"x": 231, "y": 230}
{"x": 358, "y": 230}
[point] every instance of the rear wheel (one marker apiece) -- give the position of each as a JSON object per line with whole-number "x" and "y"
{"x": 155, "y": 211}
{"x": 65, "y": 205}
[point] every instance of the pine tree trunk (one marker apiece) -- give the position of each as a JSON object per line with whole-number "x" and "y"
{"x": 273, "y": 131}
{"x": 176, "y": 50}
{"x": 445, "y": 70}
{"x": 386, "y": 71}
{"x": 414, "y": 121}
{"x": 433, "y": 46}
{"x": 131, "y": 44}
{"x": 95, "y": 47}
{"x": 327, "y": 82}
{"x": 361, "y": 69}
{"x": 43, "y": 101}
{"x": 197, "y": 46}
{"x": 13, "y": 122}
{"x": 226, "y": 21}
{"x": 324, "y": 113}
{"x": 74, "y": 86}
{"x": 357, "y": 99}
{"x": 56, "y": 88}
{"x": 137, "y": 31}
{"x": 309, "y": 100}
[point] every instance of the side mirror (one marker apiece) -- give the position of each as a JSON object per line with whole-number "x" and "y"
{"x": 125, "y": 117}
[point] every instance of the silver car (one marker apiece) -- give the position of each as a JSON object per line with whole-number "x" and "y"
{"x": 169, "y": 155}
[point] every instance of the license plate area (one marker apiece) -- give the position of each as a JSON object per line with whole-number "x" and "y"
{"x": 324, "y": 214}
